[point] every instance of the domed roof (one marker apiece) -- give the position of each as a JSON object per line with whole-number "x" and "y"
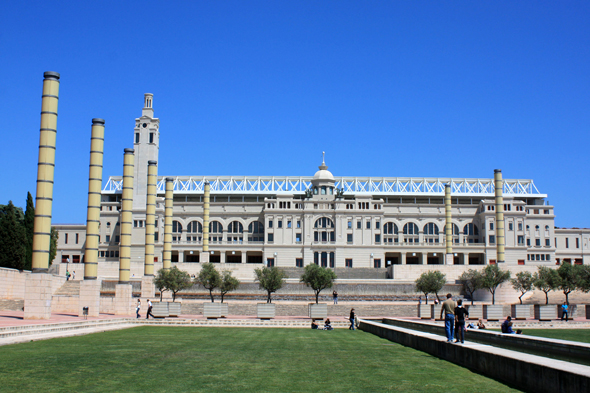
{"x": 323, "y": 174}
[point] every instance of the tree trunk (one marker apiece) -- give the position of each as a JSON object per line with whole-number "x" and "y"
{"x": 547, "y": 297}
{"x": 222, "y": 295}
{"x": 317, "y": 295}
{"x": 493, "y": 296}
{"x": 211, "y": 294}
{"x": 268, "y": 298}
{"x": 567, "y": 300}
{"x": 173, "y": 296}
{"x": 426, "y": 296}
{"x": 520, "y": 298}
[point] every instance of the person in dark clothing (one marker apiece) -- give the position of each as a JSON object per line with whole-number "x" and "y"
{"x": 506, "y": 327}
{"x": 351, "y": 319}
{"x": 149, "y": 310}
{"x": 460, "y": 314}
{"x": 314, "y": 325}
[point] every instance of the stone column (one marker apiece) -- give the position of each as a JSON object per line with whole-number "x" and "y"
{"x": 123, "y": 299}
{"x": 448, "y": 226}
{"x": 423, "y": 258}
{"x": 126, "y": 217}
{"x": 206, "y": 204}
{"x": 150, "y": 217}
{"x": 38, "y": 288}
{"x": 168, "y": 210}
{"x": 90, "y": 297}
{"x": 499, "y": 184}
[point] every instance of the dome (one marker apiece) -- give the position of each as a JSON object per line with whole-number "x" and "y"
{"x": 323, "y": 174}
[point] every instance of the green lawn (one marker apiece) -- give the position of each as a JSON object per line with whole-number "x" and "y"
{"x": 180, "y": 359}
{"x": 582, "y": 335}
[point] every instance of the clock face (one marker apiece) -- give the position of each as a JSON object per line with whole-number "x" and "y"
{"x": 144, "y": 125}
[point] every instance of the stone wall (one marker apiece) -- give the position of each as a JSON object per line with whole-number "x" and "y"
{"x": 12, "y": 283}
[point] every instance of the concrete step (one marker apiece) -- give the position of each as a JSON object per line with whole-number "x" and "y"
{"x": 70, "y": 288}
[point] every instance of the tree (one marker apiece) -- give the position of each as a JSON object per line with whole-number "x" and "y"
{"x": 570, "y": 279}
{"x": 431, "y": 281}
{"x": 29, "y": 222}
{"x": 12, "y": 239}
{"x": 53, "y": 244}
{"x": 546, "y": 280}
{"x": 584, "y": 279}
{"x": 318, "y": 278}
{"x": 523, "y": 282}
{"x": 471, "y": 280}
{"x": 492, "y": 277}
{"x": 228, "y": 283}
{"x": 209, "y": 277}
{"x": 271, "y": 279}
{"x": 177, "y": 280}
{"x": 160, "y": 281}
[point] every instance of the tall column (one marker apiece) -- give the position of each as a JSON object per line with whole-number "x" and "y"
{"x": 93, "y": 213}
{"x": 150, "y": 217}
{"x": 499, "y": 184}
{"x": 45, "y": 169}
{"x": 168, "y": 206}
{"x": 126, "y": 217}
{"x": 38, "y": 289}
{"x": 448, "y": 227}
{"x": 206, "y": 205}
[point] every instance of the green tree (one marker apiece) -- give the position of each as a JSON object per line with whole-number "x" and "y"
{"x": 471, "y": 281}
{"x": 523, "y": 282}
{"x": 177, "y": 280}
{"x": 318, "y": 278}
{"x": 12, "y": 239}
{"x": 271, "y": 279}
{"x": 492, "y": 277}
{"x": 29, "y": 222}
{"x": 584, "y": 280}
{"x": 53, "y": 244}
{"x": 546, "y": 280}
{"x": 209, "y": 278}
{"x": 570, "y": 279}
{"x": 160, "y": 281}
{"x": 431, "y": 281}
{"x": 228, "y": 283}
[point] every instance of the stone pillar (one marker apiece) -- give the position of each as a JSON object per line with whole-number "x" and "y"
{"x": 93, "y": 212}
{"x": 448, "y": 226}
{"x": 206, "y": 204}
{"x": 126, "y": 217}
{"x": 168, "y": 209}
{"x": 499, "y": 184}
{"x": 423, "y": 258}
{"x": 90, "y": 297}
{"x": 45, "y": 170}
{"x": 148, "y": 289}
{"x": 150, "y": 217}
{"x": 123, "y": 299}
{"x": 38, "y": 295}
{"x": 402, "y": 256}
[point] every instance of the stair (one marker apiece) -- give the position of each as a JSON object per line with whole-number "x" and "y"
{"x": 70, "y": 288}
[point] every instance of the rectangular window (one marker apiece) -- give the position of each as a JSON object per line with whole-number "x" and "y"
{"x": 520, "y": 226}
{"x": 108, "y": 239}
{"x": 377, "y": 239}
{"x": 567, "y": 242}
{"x": 521, "y": 240}
{"x": 151, "y": 137}
{"x": 542, "y": 257}
{"x": 528, "y": 242}
{"x": 521, "y": 261}
{"x": 299, "y": 262}
{"x": 548, "y": 242}
{"x": 546, "y": 211}
{"x": 348, "y": 262}
{"x": 135, "y": 224}
{"x": 491, "y": 226}
{"x": 537, "y": 257}
{"x": 78, "y": 237}
{"x": 377, "y": 263}
{"x": 368, "y": 224}
{"x": 156, "y": 236}
{"x": 270, "y": 262}
{"x": 117, "y": 254}
{"x": 102, "y": 254}
{"x": 288, "y": 224}
{"x": 270, "y": 223}
{"x": 359, "y": 225}
{"x": 280, "y": 223}
{"x": 377, "y": 225}
{"x": 349, "y": 238}
{"x": 298, "y": 224}
{"x": 548, "y": 257}
{"x": 117, "y": 239}
{"x": 510, "y": 226}
{"x": 349, "y": 224}
{"x": 538, "y": 242}
{"x": 492, "y": 239}
{"x": 137, "y": 137}
{"x": 66, "y": 239}
{"x": 298, "y": 238}
{"x": 271, "y": 237}
{"x": 577, "y": 241}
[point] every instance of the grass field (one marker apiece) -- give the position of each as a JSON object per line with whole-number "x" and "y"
{"x": 582, "y": 335}
{"x": 180, "y": 359}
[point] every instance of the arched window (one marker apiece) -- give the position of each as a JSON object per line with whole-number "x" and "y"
{"x": 315, "y": 191}
{"x": 411, "y": 233}
{"x": 455, "y": 232}
{"x": 323, "y": 190}
{"x": 324, "y": 230}
{"x": 194, "y": 227}
{"x": 235, "y": 228}
{"x": 256, "y": 232}
{"x": 470, "y": 230}
{"x": 216, "y": 231}
{"x": 390, "y": 232}
{"x": 176, "y": 227}
{"x": 431, "y": 233}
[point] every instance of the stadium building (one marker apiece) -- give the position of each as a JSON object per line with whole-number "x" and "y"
{"x": 333, "y": 221}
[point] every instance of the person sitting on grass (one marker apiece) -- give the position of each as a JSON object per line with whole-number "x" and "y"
{"x": 480, "y": 324}
{"x": 314, "y": 325}
{"x": 328, "y": 324}
{"x": 507, "y": 327}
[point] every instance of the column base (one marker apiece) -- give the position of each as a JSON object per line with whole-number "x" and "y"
{"x": 38, "y": 294}
{"x": 204, "y": 257}
{"x": 90, "y": 297}
{"x": 123, "y": 299}
{"x": 148, "y": 289}
{"x": 449, "y": 259}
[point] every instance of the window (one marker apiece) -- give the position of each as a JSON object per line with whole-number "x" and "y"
{"x": 491, "y": 226}
{"x": 521, "y": 240}
{"x": 567, "y": 242}
{"x": 279, "y": 223}
{"x": 431, "y": 233}
{"x": 151, "y": 137}
{"x": 316, "y": 257}
{"x": 270, "y": 223}
{"x": 368, "y": 224}
{"x": 548, "y": 257}
{"x": 538, "y": 242}
{"x": 546, "y": 211}
{"x": 520, "y": 226}
{"x": 349, "y": 224}
{"x": 137, "y": 137}
{"x": 577, "y": 241}
{"x": 235, "y": 227}
{"x": 492, "y": 239}
{"x": 376, "y": 263}
{"x": 349, "y": 238}
{"x": 117, "y": 239}
{"x": 271, "y": 238}
{"x": 288, "y": 224}
{"x": 348, "y": 262}
{"x": 298, "y": 238}
{"x": 66, "y": 239}
{"x": 377, "y": 239}
{"x": 194, "y": 227}
{"x": 528, "y": 242}
{"x": 548, "y": 242}
{"x": 177, "y": 227}
{"x": 108, "y": 239}
{"x": 510, "y": 226}
{"x": 359, "y": 225}
{"x": 470, "y": 230}
{"x": 255, "y": 232}
{"x": 323, "y": 190}
{"x": 410, "y": 233}
{"x": 299, "y": 262}
{"x": 298, "y": 224}
{"x": 270, "y": 262}
{"x": 332, "y": 259}
{"x": 377, "y": 225}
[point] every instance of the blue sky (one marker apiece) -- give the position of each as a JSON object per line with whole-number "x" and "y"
{"x": 386, "y": 88}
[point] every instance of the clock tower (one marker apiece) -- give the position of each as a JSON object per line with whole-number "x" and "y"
{"x": 146, "y": 143}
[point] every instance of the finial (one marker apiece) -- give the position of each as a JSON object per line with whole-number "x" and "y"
{"x": 323, "y": 166}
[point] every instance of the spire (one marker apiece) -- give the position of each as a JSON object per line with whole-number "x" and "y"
{"x": 323, "y": 167}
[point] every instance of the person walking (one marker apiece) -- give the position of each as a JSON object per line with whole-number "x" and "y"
{"x": 149, "y": 310}
{"x": 67, "y": 275}
{"x": 564, "y": 311}
{"x": 138, "y": 307}
{"x": 74, "y": 275}
{"x": 448, "y": 312}
{"x": 335, "y": 296}
{"x": 352, "y": 319}
{"x": 460, "y": 314}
